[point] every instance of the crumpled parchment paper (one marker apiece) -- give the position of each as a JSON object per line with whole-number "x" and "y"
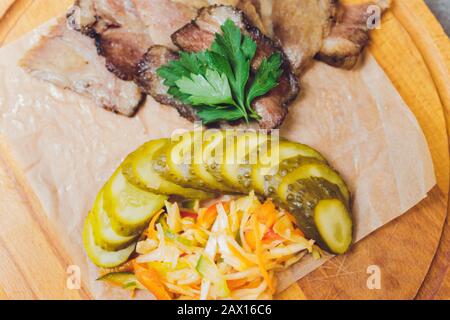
{"x": 67, "y": 147}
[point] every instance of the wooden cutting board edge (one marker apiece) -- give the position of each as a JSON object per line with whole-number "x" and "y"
{"x": 433, "y": 44}
{"x": 298, "y": 292}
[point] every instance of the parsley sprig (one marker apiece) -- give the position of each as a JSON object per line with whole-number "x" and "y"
{"x": 218, "y": 82}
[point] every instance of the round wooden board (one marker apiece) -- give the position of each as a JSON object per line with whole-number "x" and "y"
{"x": 410, "y": 47}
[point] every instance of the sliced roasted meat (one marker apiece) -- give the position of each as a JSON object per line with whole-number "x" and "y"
{"x": 349, "y": 35}
{"x": 152, "y": 84}
{"x": 69, "y": 60}
{"x": 120, "y": 34}
{"x": 264, "y": 8}
{"x": 325, "y": 29}
{"x": 125, "y": 29}
{"x": 199, "y": 35}
{"x": 122, "y": 50}
{"x": 96, "y": 16}
{"x": 301, "y": 26}
{"x": 163, "y": 17}
{"x": 251, "y": 11}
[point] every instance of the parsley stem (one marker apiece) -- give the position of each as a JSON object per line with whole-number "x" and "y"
{"x": 242, "y": 109}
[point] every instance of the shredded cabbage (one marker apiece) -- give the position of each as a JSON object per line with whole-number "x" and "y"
{"x": 224, "y": 260}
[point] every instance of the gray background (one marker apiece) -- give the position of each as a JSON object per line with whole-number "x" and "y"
{"x": 441, "y": 9}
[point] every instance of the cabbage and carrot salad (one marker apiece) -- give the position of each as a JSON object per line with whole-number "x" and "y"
{"x": 228, "y": 250}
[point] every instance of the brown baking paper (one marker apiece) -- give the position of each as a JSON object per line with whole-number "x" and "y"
{"x": 67, "y": 147}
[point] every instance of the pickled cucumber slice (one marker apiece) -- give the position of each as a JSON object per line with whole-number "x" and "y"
{"x": 211, "y": 153}
{"x": 302, "y": 198}
{"x": 175, "y": 162}
{"x": 271, "y": 183}
{"x": 334, "y": 224}
{"x": 138, "y": 169}
{"x": 317, "y": 170}
{"x": 129, "y": 208}
{"x": 99, "y": 256}
{"x": 239, "y": 159}
{"x": 301, "y": 191}
{"x": 263, "y": 173}
{"x": 104, "y": 234}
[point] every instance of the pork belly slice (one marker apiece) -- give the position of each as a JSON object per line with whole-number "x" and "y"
{"x": 69, "y": 60}
{"x": 323, "y": 29}
{"x": 301, "y": 26}
{"x": 349, "y": 35}
{"x": 200, "y": 34}
{"x": 122, "y": 51}
{"x": 118, "y": 31}
{"x": 163, "y": 17}
{"x": 125, "y": 29}
{"x": 148, "y": 79}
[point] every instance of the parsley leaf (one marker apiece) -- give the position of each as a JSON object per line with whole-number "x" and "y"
{"x": 189, "y": 63}
{"x": 216, "y": 81}
{"x": 239, "y": 50}
{"x": 211, "y": 88}
{"x": 266, "y": 78}
{"x": 211, "y": 115}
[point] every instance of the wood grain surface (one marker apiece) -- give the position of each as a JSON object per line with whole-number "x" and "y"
{"x": 4, "y": 6}
{"x": 414, "y": 52}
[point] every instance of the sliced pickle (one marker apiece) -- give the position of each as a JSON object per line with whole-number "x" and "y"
{"x": 138, "y": 169}
{"x": 239, "y": 159}
{"x": 302, "y": 190}
{"x": 304, "y": 197}
{"x": 104, "y": 234}
{"x": 211, "y": 153}
{"x": 175, "y": 162}
{"x": 129, "y": 208}
{"x": 266, "y": 171}
{"x": 334, "y": 224}
{"x": 313, "y": 170}
{"x": 99, "y": 256}
{"x": 272, "y": 182}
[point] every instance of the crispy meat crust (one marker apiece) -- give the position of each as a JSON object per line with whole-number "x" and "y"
{"x": 349, "y": 35}
{"x": 301, "y": 26}
{"x": 122, "y": 52}
{"x": 122, "y": 46}
{"x": 152, "y": 84}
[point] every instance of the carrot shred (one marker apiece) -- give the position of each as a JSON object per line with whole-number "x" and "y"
{"x": 239, "y": 255}
{"x": 209, "y": 215}
{"x": 267, "y": 213}
{"x": 253, "y": 284}
{"x": 271, "y": 236}
{"x": 149, "y": 278}
{"x": 236, "y": 284}
{"x": 151, "y": 232}
{"x": 260, "y": 258}
{"x": 250, "y": 239}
